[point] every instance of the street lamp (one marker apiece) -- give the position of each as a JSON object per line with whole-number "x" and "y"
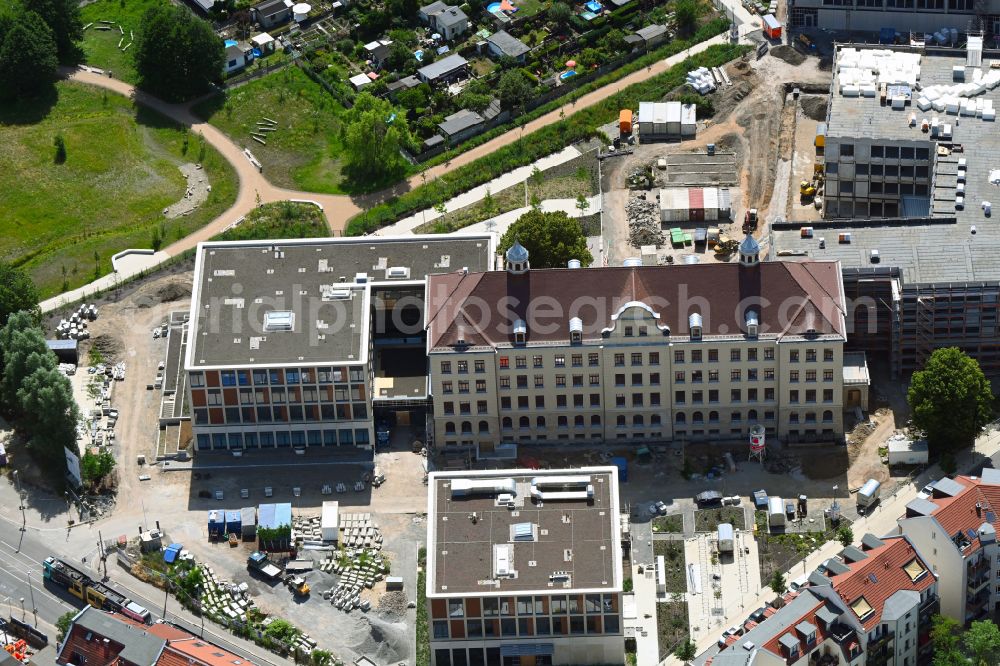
{"x": 22, "y": 609}
{"x": 20, "y": 500}
{"x": 31, "y": 590}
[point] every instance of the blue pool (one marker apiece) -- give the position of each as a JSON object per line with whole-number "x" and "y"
{"x": 419, "y": 55}
{"x": 566, "y": 75}
{"x": 231, "y": 42}
{"x": 493, "y": 7}
{"x": 594, "y": 6}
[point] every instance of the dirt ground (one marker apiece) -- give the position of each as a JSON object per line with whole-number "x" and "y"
{"x": 751, "y": 120}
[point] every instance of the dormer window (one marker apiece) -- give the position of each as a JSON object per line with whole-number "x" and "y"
{"x": 575, "y": 330}
{"x": 695, "y": 325}
{"x": 520, "y": 332}
{"x": 753, "y": 324}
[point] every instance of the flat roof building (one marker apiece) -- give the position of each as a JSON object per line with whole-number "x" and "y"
{"x": 291, "y": 343}
{"x": 510, "y": 544}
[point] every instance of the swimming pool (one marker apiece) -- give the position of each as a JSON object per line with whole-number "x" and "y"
{"x": 419, "y": 55}
{"x": 231, "y": 42}
{"x": 566, "y": 75}
{"x": 594, "y": 6}
{"x": 493, "y": 7}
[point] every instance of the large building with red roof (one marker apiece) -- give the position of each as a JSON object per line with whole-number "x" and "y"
{"x": 869, "y": 606}
{"x": 97, "y": 638}
{"x": 637, "y": 353}
{"x": 955, "y": 528}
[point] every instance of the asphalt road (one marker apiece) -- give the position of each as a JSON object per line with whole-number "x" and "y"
{"x": 21, "y": 556}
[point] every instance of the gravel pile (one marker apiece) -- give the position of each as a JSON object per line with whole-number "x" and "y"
{"x": 392, "y": 606}
{"x": 643, "y": 223}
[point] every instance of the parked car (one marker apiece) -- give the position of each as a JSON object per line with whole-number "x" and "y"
{"x": 661, "y": 507}
{"x": 926, "y": 491}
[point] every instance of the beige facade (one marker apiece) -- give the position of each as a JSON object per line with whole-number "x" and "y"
{"x": 640, "y": 385}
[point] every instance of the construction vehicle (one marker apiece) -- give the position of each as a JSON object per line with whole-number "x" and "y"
{"x": 807, "y": 189}
{"x": 726, "y": 246}
{"x": 258, "y": 562}
{"x": 299, "y": 586}
{"x": 807, "y": 43}
{"x": 750, "y": 221}
{"x": 233, "y": 540}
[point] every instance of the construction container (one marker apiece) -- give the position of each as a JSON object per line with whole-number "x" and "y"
{"x": 625, "y": 121}
{"x": 775, "y": 512}
{"x": 906, "y": 451}
{"x": 248, "y": 520}
{"x": 659, "y": 121}
{"x": 689, "y": 120}
{"x": 693, "y": 204}
{"x": 330, "y": 521}
{"x": 726, "y": 540}
{"x": 673, "y": 118}
{"x": 820, "y": 135}
{"x": 772, "y": 29}
{"x": 869, "y": 493}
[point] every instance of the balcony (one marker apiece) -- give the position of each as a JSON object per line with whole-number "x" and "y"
{"x": 841, "y": 632}
{"x": 976, "y": 584}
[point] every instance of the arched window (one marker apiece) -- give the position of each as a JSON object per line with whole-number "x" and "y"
{"x": 681, "y": 418}
{"x": 562, "y": 422}
{"x": 697, "y": 417}
{"x": 578, "y": 421}
{"x": 484, "y": 427}
{"x": 466, "y": 427}
{"x": 540, "y": 422}
{"x": 752, "y": 415}
{"x": 827, "y": 416}
{"x": 507, "y": 423}
{"x": 637, "y": 421}
{"x": 620, "y": 421}
{"x": 654, "y": 419}
{"x": 713, "y": 417}
{"x": 595, "y": 420}
{"x": 524, "y": 422}
{"x": 449, "y": 428}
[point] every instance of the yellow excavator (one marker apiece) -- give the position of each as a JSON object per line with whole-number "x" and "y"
{"x": 807, "y": 189}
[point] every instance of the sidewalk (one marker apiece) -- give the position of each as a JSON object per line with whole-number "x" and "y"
{"x": 882, "y": 521}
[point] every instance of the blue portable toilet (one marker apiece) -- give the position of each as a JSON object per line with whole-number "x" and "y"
{"x": 622, "y": 465}
{"x": 172, "y": 552}
{"x": 234, "y": 522}
{"x": 216, "y": 523}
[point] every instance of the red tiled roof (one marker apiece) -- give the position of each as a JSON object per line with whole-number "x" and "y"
{"x": 959, "y": 514}
{"x": 94, "y": 653}
{"x": 790, "y": 298}
{"x": 879, "y": 576}
{"x": 203, "y": 652}
{"x": 809, "y": 616}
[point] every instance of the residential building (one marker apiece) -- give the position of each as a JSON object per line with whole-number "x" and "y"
{"x": 869, "y": 606}
{"x": 97, "y": 638}
{"x": 298, "y": 343}
{"x": 235, "y": 58}
{"x": 445, "y": 70}
{"x": 524, "y": 566}
{"x": 461, "y": 125}
{"x": 636, "y": 354}
{"x": 651, "y": 36}
{"x": 503, "y": 44}
{"x": 377, "y": 51}
{"x": 955, "y": 530}
{"x": 905, "y": 16}
{"x": 450, "y": 22}
{"x": 906, "y": 219}
{"x": 272, "y": 13}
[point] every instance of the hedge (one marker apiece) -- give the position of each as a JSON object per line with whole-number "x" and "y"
{"x": 550, "y": 139}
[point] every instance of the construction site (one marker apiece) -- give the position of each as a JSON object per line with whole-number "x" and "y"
{"x": 692, "y": 200}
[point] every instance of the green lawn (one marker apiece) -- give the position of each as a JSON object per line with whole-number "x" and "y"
{"x": 120, "y": 173}
{"x": 529, "y": 7}
{"x": 100, "y": 47}
{"x": 304, "y": 152}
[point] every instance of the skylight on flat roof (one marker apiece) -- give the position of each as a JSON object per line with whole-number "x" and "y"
{"x": 279, "y": 320}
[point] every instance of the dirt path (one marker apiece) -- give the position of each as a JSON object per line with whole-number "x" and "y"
{"x": 865, "y": 462}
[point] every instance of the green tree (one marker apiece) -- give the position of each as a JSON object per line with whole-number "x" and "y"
{"x": 23, "y": 349}
{"x": 63, "y": 624}
{"x": 281, "y": 630}
{"x": 613, "y": 42}
{"x": 582, "y": 204}
{"x": 373, "y": 134}
{"x": 982, "y": 642}
{"x": 944, "y": 635}
{"x": 950, "y": 400}
{"x": 552, "y": 239}
{"x": 177, "y": 55}
{"x": 559, "y": 15}
{"x": 777, "y": 582}
{"x": 27, "y": 57}
{"x": 513, "y": 89}
{"x": 63, "y": 18}
{"x": 686, "y": 14}
{"x": 686, "y": 651}
{"x": 845, "y": 535}
{"x": 320, "y": 658}
{"x": 412, "y": 98}
{"x": 17, "y": 293}
{"x": 94, "y": 468}
{"x": 49, "y": 416}
{"x": 588, "y": 58}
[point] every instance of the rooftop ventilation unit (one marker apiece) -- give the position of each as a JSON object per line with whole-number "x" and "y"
{"x": 695, "y": 324}
{"x": 559, "y": 577}
{"x": 576, "y": 329}
{"x": 397, "y": 273}
{"x": 279, "y": 320}
{"x": 520, "y": 331}
{"x": 567, "y": 487}
{"x": 753, "y": 323}
{"x": 337, "y": 294}
{"x": 470, "y": 487}
{"x": 632, "y": 262}
{"x": 503, "y": 561}
{"x": 361, "y": 278}
{"x": 573, "y": 263}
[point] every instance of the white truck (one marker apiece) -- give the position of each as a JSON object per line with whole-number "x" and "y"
{"x": 868, "y": 495}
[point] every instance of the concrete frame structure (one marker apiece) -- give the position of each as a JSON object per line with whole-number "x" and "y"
{"x": 637, "y": 369}
{"x": 524, "y": 567}
{"x": 904, "y": 15}
{"x": 283, "y": 335}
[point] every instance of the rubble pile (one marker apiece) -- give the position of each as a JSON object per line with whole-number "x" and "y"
{"x": 643, "y": 223}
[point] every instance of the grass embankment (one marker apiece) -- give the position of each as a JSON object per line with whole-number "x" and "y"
{"x": 304, "y": 152}
{"x": 423, "y": 650}
{"x": 100, "y": 47}
{"x": 62, "y": 222}
{"x": 578, "y": 126}
{"x": 281, "y": 219}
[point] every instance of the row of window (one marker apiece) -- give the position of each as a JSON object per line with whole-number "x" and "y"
{"x": 810, "y": 395}
{"x": 280, "y": 414}
{"x": 270, "y": 440}
{"x": 735, "y": 395}
{"x": 579, "y": 421}
{"x": 478, "y": 656}
{"x": 636, "y": 358}
{"x": 559, "y": 604}
{"x": 890, "y": 152}
{"x": 875, "y": 187}
{"x": 562, "y": 401}
{"x": 526, "y": 627}
{"x": 886, "y": 170}
{"x": 636, "y": 379}
{"x": 277, "y": 395}
{"x": 276, "y": 376}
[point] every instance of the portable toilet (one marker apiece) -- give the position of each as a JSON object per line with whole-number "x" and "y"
{"x": 248, "y": 518}
{"x": 625, "y": 121}
{"x": 216, "y": 523}
{"x": 234, "y": 522}
{"x": 820, "y": 135}
{"x": 622, "y": 465}
{"x": 771, "y": 27}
